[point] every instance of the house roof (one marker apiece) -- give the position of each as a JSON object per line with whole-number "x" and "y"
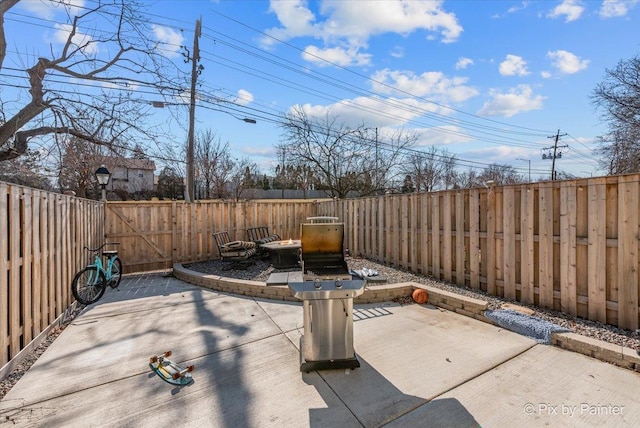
{"x": 130, "y": 163}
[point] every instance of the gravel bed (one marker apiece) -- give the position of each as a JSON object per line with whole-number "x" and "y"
{"x": 261, "y": 270}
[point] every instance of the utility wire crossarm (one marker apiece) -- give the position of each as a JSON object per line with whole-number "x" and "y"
{"x": 555, "y": 152}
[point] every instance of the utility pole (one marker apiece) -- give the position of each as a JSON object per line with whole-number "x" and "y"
{"x": 527, "y": 160}
{"x": 282, "y": 172}
{"x": 555, "y": 153}
{"x": 377, "y": 183}
{"x": 195, "y": 70}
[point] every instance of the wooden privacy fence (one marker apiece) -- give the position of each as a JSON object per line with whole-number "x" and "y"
{"x": 570, "y": 245}
{"x": 41, "y": 240}
{"x": 156, "y": 234}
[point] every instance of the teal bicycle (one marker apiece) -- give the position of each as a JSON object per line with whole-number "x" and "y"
{"x": 89, "y": 284}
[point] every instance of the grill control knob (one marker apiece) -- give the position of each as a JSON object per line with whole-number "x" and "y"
{"x": 338, "y": 283}
{"x": 317, "y": 283}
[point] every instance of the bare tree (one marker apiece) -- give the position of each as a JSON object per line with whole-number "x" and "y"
{"x": 386, "y": 153}
{"x": 28, "y": 170}
{"x": 618, "y": 98}
{"x": 170, "y": 184}
{"x": 431, "y": 169}
{"x": 78, "y": 164}
{"x": 340, "y": 156}
{"x": 240, "y": 183}
{"x": 212, "y": 163}
{"x": 499, "y": 175}
{"x": 115, "y": 60}
{"x": 222, "y": 175}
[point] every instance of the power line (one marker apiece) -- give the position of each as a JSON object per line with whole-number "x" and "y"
{"x": 495, "y": 133}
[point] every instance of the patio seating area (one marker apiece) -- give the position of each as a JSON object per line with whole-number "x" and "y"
{"x": 235, "y": 252}
{"x": 419, "y": 363}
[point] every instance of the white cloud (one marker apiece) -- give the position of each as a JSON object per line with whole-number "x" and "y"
{"x": 374, "y": 111}
{"x": 514, "y": 65}
{"x": 570, "y": 9}
{"x": 244, "y": 97}
{"x": 463, "y": 63}
{"x": 397, "y": 52}
{"x": 514, "y": 9}
{"x": 615, "y": 8}
{"x": 545, "y": 74}
{"x": 337, "y": 55}
{"x": 341, "y": 23}
{"x": 170, "y": 39}
{"x": 433, "y": 85}
{"x": 516, "y": 100}
{"x": 566, "y": 62}
{"x": 296, "y": 19}
{"x": 47, "y": 9}
{"x": 441, "y": 136}
{"x": 81, "y": 40}
{"x": 501, "y": 154}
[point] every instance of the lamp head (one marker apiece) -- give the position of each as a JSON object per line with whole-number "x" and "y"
{"x": 103, "y": 175}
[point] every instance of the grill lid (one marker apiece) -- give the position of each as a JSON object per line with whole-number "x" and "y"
{"x": 322, "y": 251}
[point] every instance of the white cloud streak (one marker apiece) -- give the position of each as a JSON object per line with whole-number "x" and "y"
{"x": 513, "y": 65}
{"x": 81, "y": 40}
{"x": 170, "y": 39}
{"x": 244, "y": 97}
{"x": 566, "y": 62}
{"x": 516, "y": 100}
{"x": 433, "y": 85}
{"x": 344, "y": 32}
{"x": 571, "y": 10}
{"x": 616, "y": 8}
{"x": 463, "y": 63}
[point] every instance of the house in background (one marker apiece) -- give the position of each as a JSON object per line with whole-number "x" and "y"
{"x": 130, "y": 174}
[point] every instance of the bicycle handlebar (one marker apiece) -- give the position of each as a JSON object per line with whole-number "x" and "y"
{"x": 101, "y": 246}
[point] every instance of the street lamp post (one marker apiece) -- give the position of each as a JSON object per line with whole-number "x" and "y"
{"x": 103, "y": 175}
{"x": 527, "y": 160}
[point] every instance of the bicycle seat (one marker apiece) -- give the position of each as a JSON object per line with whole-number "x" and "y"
{"x": 110, "y": 253}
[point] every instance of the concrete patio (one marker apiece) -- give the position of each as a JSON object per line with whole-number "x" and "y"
{"x": 421, "y": 366}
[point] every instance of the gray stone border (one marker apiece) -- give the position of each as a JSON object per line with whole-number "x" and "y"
{"x": 468, "y": 306}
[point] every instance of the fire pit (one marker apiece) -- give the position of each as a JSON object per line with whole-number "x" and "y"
{"x": 327, "y": 292}
{"x": 283, "y": 254}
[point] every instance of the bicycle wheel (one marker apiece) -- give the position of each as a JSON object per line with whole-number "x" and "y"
{"x": 88, "y": 285}
{"x": 116, "y": 273}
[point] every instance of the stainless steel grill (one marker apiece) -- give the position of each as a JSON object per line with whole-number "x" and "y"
{"x": 327, "y": 292}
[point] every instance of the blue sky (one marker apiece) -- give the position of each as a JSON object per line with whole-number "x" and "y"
{"x": 489, "y": 81}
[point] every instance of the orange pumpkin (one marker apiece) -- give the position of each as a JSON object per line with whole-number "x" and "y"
{"x": 420, "y": 296}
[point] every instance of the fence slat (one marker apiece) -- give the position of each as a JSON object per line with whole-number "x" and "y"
{"x": 509, "y": 242}
{"x": 435, "y": 235}
{"x": 527, "y": 252}
{"x": 568, "y": 248}
{"x": 491, "y": 242}
{"x": 27, "y": 251}
{"x": 15, "y": 262}
{"x": 474, "y": 239}
{"x": 628, "y": 252}
{"x": 4, "y": 273}
{"x": 545, "y": 246}
{"x": 460, "y": 246}
{"x": 424, "y": 234}
{"x": 36, "y": 274}
{"x": 446, "y": 237}
{"x": 597, "y": 250}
